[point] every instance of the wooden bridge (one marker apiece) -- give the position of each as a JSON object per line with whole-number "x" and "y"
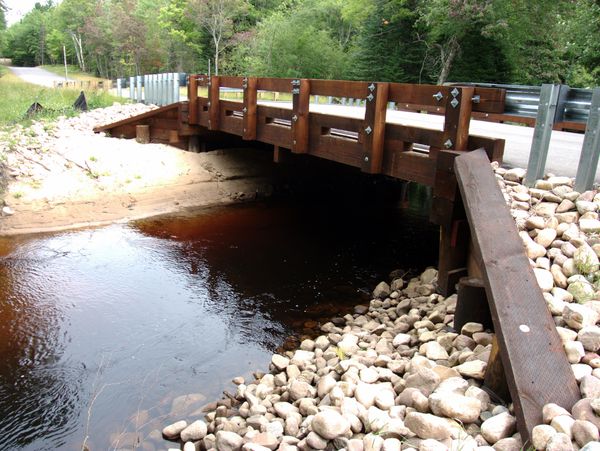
{"x": 481, "y": 254}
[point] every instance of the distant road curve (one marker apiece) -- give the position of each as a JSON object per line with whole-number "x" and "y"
{"x": 37, "y": 75}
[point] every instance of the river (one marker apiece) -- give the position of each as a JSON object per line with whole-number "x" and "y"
{"x": 104, "y": 331}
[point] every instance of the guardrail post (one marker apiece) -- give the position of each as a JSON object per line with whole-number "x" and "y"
{"x": 119, "y": 88}
{"x": 214, "y": 107}
{"x": 163, "y": 96}
{"x": 176, "y": 79}
{"x": 138, "y": 88}
{"x": 590, "y": 151}
{"x": 152, "y": 90}
{"x": 374, "y": 127}
{"x": 249, "y": 85}
{"x": 547, "y": 111}
{"x": 300, "y": 107}
{"x": 131, "y": 88}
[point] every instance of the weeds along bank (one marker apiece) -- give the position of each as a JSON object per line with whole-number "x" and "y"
{"x": 16, "y": 96}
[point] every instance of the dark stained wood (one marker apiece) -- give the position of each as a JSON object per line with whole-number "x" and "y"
{"x": 300, "y": 107}
{"x": 139, "y": 119}
{"x": 142, "y": 134}
{"x": 491, "y": 100}
{"x": 397, "y": 132}
{"x": 410, "y": 166}
{"x": 213, "y": 104}
{"x": 339, "y": 88}
{"x": 494, "y": 147}
{"x": 536, "y": 367}
{"x": 495, "y": 377}
{"x": 274, "y": 84}
{"x": 457, "y": 119}
{"x": 231, "y": 82}
{"x": 249, "y": 132}
{"x": 193, "y": 100}
{"x": 404, "y": 93}
{"x": 472, "y": 304}
{"x": 375, "y": 114}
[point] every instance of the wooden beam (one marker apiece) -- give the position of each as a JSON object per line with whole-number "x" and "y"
{"x": 193, "y": 100}
{"x": 374, "y": 127}
{"x": 142, "y": 134}
{"x": 249, "y": 110}
{"x": 214, "y": 103}
{"x": 300, "y": 107}
{"x": 457, "y": 118}
{"x": 535, "y": 364}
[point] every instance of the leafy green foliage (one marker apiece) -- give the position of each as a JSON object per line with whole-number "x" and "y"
{"x": 429, "y": 41}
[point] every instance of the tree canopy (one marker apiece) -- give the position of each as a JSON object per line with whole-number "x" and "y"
{"x": 419, "y": 41}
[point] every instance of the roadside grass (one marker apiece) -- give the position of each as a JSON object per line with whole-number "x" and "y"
{"x": 16, "y": 96}
{"x": 73, "y": 72}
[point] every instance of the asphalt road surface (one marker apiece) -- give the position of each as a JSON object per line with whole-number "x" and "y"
{"x": 37, "y": 76}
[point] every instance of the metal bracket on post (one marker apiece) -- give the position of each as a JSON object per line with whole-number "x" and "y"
{"x": 546, "y": 116}
{"x": 590, "y": 151}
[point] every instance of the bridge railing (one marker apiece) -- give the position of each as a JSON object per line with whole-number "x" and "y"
{"x": 367, "y": 142}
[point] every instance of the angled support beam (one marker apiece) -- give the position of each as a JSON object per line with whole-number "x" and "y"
{"x": 536, "y": 368}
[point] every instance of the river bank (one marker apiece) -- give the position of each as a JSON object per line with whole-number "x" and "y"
{"x": 395, "y": 375}
{"x": 61, "y": 175}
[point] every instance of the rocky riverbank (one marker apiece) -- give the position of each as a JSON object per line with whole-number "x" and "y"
{"x": 395, "y": 375}
{"x": 61, "y": 175}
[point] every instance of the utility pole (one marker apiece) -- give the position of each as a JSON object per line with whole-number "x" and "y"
{"x": 65, "y": 59}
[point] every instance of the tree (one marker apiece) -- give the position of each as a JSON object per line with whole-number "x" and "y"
{"x": 387, "y": 48}
{"x": 218, "y": 17}
{"x": 182, "y": 36}
{"x": 287, "y": 46}
{"x": 448, "y": 22}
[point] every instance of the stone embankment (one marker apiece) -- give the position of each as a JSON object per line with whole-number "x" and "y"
{"x": 396, "y": 376}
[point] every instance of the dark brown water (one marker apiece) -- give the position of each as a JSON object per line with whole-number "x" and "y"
{"x": 101, "y": 329}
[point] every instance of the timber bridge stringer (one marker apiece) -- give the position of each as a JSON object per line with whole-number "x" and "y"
{"x": 481, "y": 253}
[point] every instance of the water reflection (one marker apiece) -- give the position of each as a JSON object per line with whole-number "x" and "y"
{"x": 100, "y": 330}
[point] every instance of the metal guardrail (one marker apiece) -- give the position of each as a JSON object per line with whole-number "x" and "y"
{"x": 156, "y": 89}
{"x": 521, "y": 100}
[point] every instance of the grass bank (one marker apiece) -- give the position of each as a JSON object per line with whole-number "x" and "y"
{"x": 73, "y": 73}
{"x": 16, "y": 96}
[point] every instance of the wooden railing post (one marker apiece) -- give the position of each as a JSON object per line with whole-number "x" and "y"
{"x": 457, "y": 118}
{"x": 374, "y": 127}
{"x": 300, "y": 107}
{"x": 214, "y": 109}
{"x": 249, "y": 131}
{"x": 193, "y": 99}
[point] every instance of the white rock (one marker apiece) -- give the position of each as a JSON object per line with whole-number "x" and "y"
{"x": 329, "y": 424}
{"x": 473, "y": 368}
{"x": 541, "y": 435}
{"x": 498, "y": 427}
{"x": 194, "y": 432}
{"x": 544, "y": 279}
{"x": 545, "y": 237}
{"x": 515, "y": 175}
{"x": 589, "y": 225}
{"x": 280, "y": 362}
{"x": 228, "y": 441}
{"x": 589, "y": 337}
{"x": 579, "y": 316}
{"x": 559, "y": 442}
{"x": 532, "y": 249}
{"x": 428, "y": 426}
{"x": 564, "y": 424}
{"x": 456, "y": 406}
{"x": 574, "y": 350}
{"x": 434, "y": 351}
{"x": 172, "y": 431}
{"x": 401, "y": 339}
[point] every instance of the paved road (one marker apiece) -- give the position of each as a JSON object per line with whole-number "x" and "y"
{"x": 563, "y": 155}
{"x": 37, "y": 75}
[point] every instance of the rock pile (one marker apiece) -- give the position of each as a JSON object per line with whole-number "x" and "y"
{"x": 397, "y": 376}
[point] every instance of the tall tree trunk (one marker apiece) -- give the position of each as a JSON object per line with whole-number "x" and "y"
{"x": 447, "y": 57}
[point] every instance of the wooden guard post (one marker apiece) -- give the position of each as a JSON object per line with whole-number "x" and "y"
{"x": 374, "y": 127}
{"x": 300, "y": 108}
{"x": 249, "y": 111}
{"x": 193, "y": 100}
{"x": 214, "y": 107}
{"x": 535, "y": 365}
